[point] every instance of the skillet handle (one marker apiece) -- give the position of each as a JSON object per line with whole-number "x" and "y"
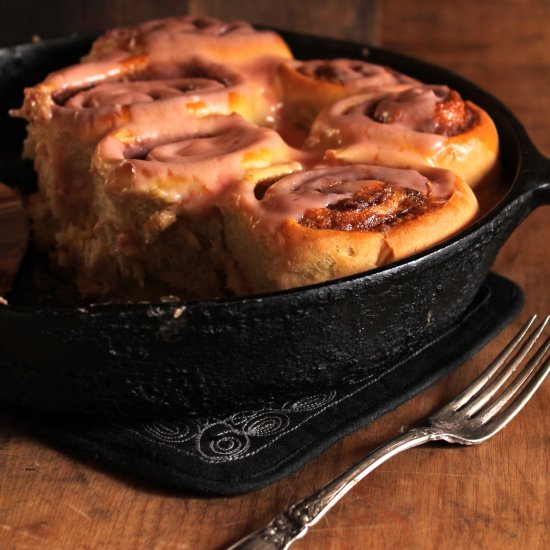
{"x": 534, "y": 186}
{"x": 544, "y": 187}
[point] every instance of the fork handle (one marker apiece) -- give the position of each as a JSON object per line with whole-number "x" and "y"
{"x": 291, "y": 525}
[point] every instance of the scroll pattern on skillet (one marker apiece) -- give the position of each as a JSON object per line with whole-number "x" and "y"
{"x": 245, "y": 434}
{"x": 241, "y": 435}
{"x": 156, "y": 154}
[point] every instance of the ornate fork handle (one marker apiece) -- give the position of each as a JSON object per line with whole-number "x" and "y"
{"x": 287, "y": 527}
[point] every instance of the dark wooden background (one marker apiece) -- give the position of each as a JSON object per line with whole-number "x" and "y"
{"x": 25, "y": 19}
{"x": 495, "y": 496}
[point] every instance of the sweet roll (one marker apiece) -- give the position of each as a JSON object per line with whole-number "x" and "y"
{"x": 185, "y": 38}
{"x": 329, "y": 222}
{"x": 410, "y": 127}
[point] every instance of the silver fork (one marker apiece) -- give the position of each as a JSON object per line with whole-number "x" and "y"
{"x": 470, "y": 418}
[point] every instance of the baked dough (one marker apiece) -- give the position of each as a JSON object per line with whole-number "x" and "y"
{"x": 329, "y": 222}
{"x": 309, "y": 86}
{"x": 410, "y": 127}
{"x": 183, "y": 39}
{"x": 152, "y": 221}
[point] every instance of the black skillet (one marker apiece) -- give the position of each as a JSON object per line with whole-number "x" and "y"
{"x": 202, "y": 357}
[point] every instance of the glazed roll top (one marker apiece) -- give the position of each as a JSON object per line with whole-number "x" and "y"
{"x": 333, "y": 221}
{"x": 361, "y": 197}
{"x": 309, "y": 86}
{"x": 185, "y": 38}
{"x": 90, "y": 99}
{"x": 186, "y": 166}
{"x": 410, "y": 126}
{"x": 427, "y": 109}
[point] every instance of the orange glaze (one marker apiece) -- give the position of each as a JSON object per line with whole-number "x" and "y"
{"x": 129, "y": 93}
{"x": 100, "y": 96}
{"x": 187, "y": 40}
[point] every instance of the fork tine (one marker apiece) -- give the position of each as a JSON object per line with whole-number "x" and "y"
{"x": 470, "y": 391}
{"x": 491, "y": 389}
{"x": 500, "y": 421}
{"x": 513, "y": 388}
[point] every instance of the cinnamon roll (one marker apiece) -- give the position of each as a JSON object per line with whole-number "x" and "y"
{"x": 152, "y": 222}
{"x": 329, "y": 222}
{"x": 410, "y": 126}
{"x": 309, "y": 86}
{"x": 183, "y": 39}
{"x": 97, "y": 97}
{"x": 74, "y": 108}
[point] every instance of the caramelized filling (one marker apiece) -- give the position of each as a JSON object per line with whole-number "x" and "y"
{"x": 376, "y": 207}
{"x": 451, "y": 115}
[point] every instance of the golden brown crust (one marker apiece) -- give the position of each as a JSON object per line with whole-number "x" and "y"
{"x": 309, "y": 86}
{"x": 182, "y": 39}
{"x": 426, "y": 126}
{"x": 275, "y": 249}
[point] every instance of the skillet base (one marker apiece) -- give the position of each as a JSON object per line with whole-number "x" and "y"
{"x": 247, "y": 450}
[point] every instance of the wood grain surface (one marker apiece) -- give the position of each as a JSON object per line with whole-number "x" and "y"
{"x": 494, "y": 496}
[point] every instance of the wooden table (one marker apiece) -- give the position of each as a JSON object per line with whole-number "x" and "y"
{"x": 493, "y": 496}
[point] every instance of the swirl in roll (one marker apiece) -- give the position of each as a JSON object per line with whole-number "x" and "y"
{"x": 410, "y": 126}
{"x": 188, "y": 39}
{"x": 182, "y": 40}
{"x": 329, "y": 222}
{"x": 187, "y": 163}
{"x": 93, "y": 98}
{"x": 309, "y": 86}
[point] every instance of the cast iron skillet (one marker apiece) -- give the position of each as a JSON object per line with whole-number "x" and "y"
{"x": 203, "y": 357}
